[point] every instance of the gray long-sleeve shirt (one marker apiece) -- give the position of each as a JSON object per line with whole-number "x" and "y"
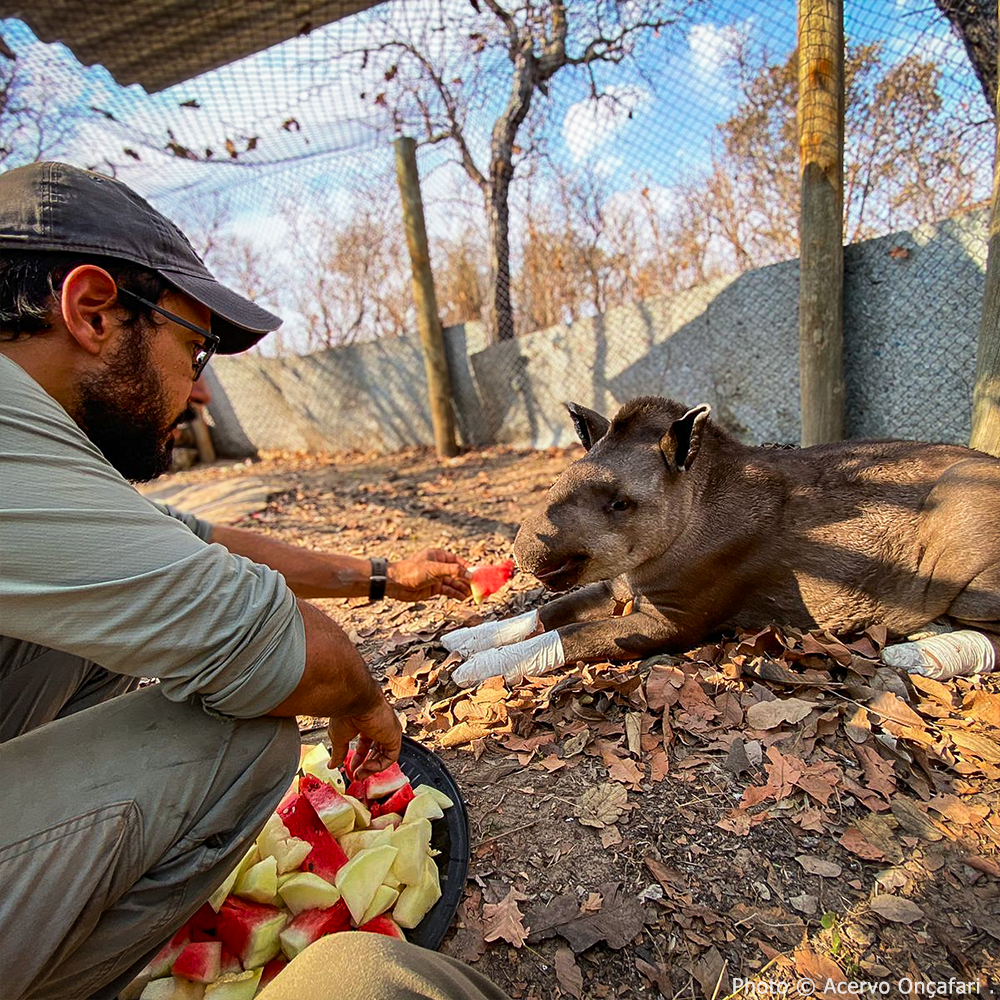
{"x": 91, "y": 567}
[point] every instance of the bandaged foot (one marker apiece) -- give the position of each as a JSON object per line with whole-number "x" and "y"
{"x": 951, "y": 654}
{"x": 489, "y": 635}
{"x": 534, "y": 656}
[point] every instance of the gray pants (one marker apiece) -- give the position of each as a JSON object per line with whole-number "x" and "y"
{"x": 120, "y": 816}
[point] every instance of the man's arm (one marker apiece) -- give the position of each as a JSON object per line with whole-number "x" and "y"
{"x": 336, "y": 683}
{"x": 312, "y": 574}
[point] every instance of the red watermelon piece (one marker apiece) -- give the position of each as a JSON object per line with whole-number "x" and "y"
{"x": 359, "y": 789}
{"x": 384, "y": 924}
{"x": 159, "y": 964}
{"x": 327, "y": 857}
{"x": 311, "y": 925}
{"x": 385, "y": 782}
{"x": 334, "y": 811}
{"x": 488, "y": 580}
{"x": 271, "y": 970}
{"x": 396, "y": 803}
{"x": 250, "y": 930}
{"x": 200, "y": 961}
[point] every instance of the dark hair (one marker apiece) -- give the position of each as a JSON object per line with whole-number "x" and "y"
{"x": 31, "y": 281}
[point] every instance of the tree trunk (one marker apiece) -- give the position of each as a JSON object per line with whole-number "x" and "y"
{"x": 975, "y": 21}
{"x": 986, "y": 397}
{"x": 501, "y": 309}
{"x": 821, "y": 257}
{"x": 428, "y": 322}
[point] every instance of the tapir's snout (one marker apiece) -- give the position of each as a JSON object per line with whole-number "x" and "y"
{"x": 556, "y": 568}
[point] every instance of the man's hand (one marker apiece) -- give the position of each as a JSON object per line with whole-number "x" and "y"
{"x": 380, "y": 738}
{"x": 431, "y": 573}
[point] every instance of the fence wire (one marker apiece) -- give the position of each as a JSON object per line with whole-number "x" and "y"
{"x": 646, "y": 242}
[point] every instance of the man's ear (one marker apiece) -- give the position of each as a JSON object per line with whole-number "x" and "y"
{"x": 590, "y": 425}
{"x": 89, "y": 301}
{"x": 683, "y": 438}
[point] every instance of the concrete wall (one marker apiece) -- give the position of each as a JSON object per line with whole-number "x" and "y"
{"x": 912, "y": 306}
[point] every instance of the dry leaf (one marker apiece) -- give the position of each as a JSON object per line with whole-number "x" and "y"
{"x": 592, "y": 903}
{"x": 710, "y": 972}
{"x": 610, "y": 837}
{"x": 897, "y": 909}
{"x": 568, "y": 972}
{"x": 735, "y": 821}
{"x": 602, "y": 805}
{"x": 819, "y": 866}
{"x": 854, "y": 841}
{"x": 625, "y": 771}
{"x": 505, "y": 920}
{"x": 770, "y": 714}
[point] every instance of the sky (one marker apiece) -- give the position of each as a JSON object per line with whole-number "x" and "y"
{"x": 653, "y": 130}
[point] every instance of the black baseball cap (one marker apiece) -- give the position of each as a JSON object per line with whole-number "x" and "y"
{"x": 53, "y": 206}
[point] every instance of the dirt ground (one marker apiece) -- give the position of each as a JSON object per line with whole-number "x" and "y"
{"x": 779, "y": 808}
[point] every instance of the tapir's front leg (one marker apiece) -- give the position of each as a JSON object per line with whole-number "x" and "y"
{"x": 594, "y": 601}
{"x": 643, "y": 631}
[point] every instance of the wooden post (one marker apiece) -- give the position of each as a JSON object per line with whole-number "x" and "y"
{"x": 428, "y": 320}
{"x": 986, "y": 397}
{"x": 821, "y": 220}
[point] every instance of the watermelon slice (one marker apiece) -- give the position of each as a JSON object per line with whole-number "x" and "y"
{"x": 159, "y": 965}
{"x": 384, "y": 925}
{"x": 311, "y": 925}
{"x": 272, "y": 969}
{"x": 173, "y": 988}
{"x": 396, "y": 803}
{"x": 385, "y": 782}
{"x": 487, "y": 580}
{"x": 234, "y": 986}
{"x": 333, "y": 809}
{"x": 250, "y": 930}
{"x": 200, "y": 961}
{"x": 326, "y": 857}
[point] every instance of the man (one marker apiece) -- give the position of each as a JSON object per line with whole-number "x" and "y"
{"x": 124, "y": 811}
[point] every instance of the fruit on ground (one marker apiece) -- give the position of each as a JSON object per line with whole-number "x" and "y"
{"x": 250, "y": 930}
{"x": 487, "y": 580}
{"x": 199, "y": 961}
{"x": 311, "y": 925}
{"x": 362, "y": 875}
{"x": 336, "y": 812}
{"x": 307, "y": 891}
{"x": 234, "y": 986}
{"x": 415, "y": 900}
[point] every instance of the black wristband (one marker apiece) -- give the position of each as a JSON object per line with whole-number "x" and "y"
{"x": 379, "y": 578}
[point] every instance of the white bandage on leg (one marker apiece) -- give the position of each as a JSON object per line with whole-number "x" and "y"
{"x": 489, "y": 635}
{"x": 953, "y": 654}
{"x": 534, "y": 656}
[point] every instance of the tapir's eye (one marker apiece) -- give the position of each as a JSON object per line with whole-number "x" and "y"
{"x": 620, "y": 504}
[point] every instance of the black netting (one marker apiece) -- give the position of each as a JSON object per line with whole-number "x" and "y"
{"x": 651, "y": 217}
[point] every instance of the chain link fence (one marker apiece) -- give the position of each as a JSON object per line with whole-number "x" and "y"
{"x": 628, "y": 228}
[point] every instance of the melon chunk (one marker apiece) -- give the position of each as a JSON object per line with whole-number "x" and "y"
{"x": 416, "y": 900}
{"x": 360, "y": 840}
{"x": 234, "y": 986}
{"x": 362, "y": 814}
{"x": 385, "y": 819}
{"x": 423, "y": 806}
{"x": 360, "y": 878}
{"x": 326, "y": 856}
{"x": 275, "y": 841}
{"x": 249, "y": 859}
{"x": 336, "y": 811}
{"x": 384, "y": 898}
{"x": 159, "y": 965}
{"x": 439, "y": 797}
{"x": 199, "y": 961}
{"x": 307, "y": 891}
{"x": 317, "y": 763}
{"x": 259, "y": 883}
{"x": 311, "y": 925}
{"x": 413, "y": 840}
{"x": 173, "y": 988}
{"x": 250, "y": 930}
{"x": 383, "y": 925}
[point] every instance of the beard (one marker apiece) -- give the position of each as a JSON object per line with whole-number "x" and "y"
{"x": 125, "y": 413}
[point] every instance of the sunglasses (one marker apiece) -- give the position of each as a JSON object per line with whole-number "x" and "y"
{"x": 202, "y": 352}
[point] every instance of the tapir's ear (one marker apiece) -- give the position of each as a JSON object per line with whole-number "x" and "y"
{"x": 590, "y": 425}
{"x": 682, "y": 440}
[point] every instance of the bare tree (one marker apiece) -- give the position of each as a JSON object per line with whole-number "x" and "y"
{"x": 975, "y": 23}
{"x": 432, "y": 84}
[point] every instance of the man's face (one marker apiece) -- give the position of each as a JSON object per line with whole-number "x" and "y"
{"x": 130, "y": 407}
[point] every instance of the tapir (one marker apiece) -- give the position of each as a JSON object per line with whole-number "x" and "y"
{"x": 691, "y": 532}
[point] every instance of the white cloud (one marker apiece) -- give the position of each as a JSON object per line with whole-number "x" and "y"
{"x": 591, "y": 123}
{"x": 711, "y": 45}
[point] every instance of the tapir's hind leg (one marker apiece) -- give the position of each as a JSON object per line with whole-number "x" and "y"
{"x": 979, "y": 604}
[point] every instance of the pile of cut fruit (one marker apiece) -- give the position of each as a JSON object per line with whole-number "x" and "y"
{"x": 338, "y": 854}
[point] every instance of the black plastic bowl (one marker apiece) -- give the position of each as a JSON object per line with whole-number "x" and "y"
{"x": 449, "y": 836}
